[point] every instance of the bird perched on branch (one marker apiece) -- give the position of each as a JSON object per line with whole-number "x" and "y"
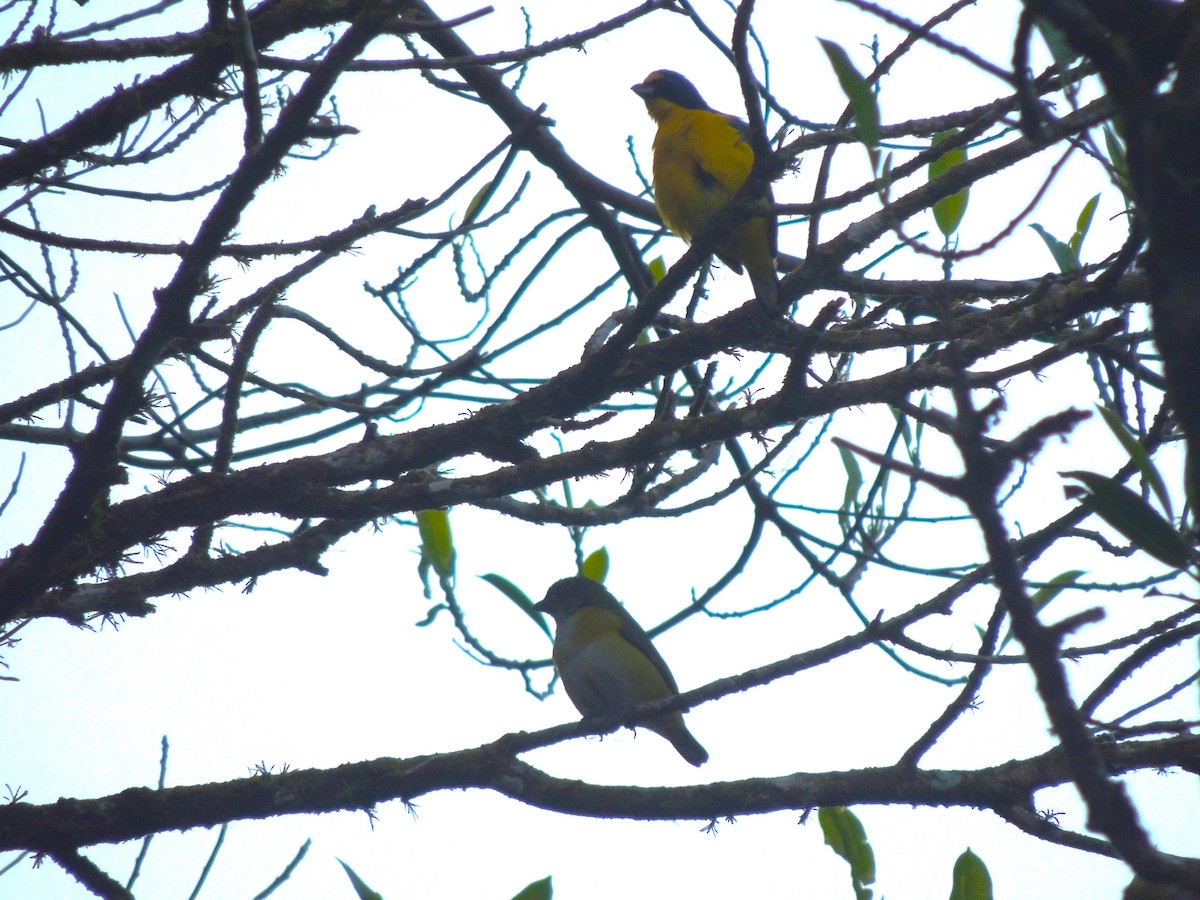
{"x": 606, "y": 661}
{"x": 701, "y": 160}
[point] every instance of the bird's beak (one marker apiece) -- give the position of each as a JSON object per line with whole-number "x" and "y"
{"x": 541, "y": 607}
{"x": 643, "y": 90}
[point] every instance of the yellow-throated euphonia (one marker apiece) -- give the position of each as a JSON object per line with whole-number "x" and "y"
{"x": 606, "y": 661}
{"x": 701, "y": 159}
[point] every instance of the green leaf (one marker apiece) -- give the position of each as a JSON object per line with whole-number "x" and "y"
{"x": 475, "y": 207}
{"x": 1047, "y": 592}
{"x": 914, "y": 435}
{"x": 1064, "y": 257}
{"x": 1116, "y": 156}
{"x": 1060, "y": 48}
{"x": 1116, "y": 150}
{"x": 883, "y": 171}
{"x": 538, "y": 890}
{"x": 432, "y": 614}
{"x": 1140, "y": 457}
{"x": 854, "y": 480}
{"x": 658, "y": 269}
{"x": 971, "y": 878}
{"x": 863, "y": 103}
{"x": 949, "y": 211}
{"x": 846, "y": 835}
{"x": 361, "y": 888}
{"x": 1082, "y": 224}
{"x": 519, "y": 597}
{"x": 437, "y": 543}
{"x": 1136, "y": 519}
{"x": 423, "y": 573}
{"x": 1053, "y": 588}
{"x": 902, "y": 422}
{"x": 854, "y": 476}
{"x": 595, "y": 566}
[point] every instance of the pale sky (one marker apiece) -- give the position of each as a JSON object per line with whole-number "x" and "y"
{"x": 315, "y": 672}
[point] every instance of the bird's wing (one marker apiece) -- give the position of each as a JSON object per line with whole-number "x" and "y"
{"x": 633, "y": 632}
{"x": 720, "y": 152}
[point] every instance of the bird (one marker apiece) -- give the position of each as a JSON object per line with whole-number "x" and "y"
{"x": 606, "y": 661}
{"x": 701, "y": 160}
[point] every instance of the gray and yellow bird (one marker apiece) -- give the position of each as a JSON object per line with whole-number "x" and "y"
{"x": 701, "y": 160}
{"x": 607, "y": 663}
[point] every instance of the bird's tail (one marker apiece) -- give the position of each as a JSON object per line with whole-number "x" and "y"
{"x": 673, "y": 729}
{"x": 765, "y": 281}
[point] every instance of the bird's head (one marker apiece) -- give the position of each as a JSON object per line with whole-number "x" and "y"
{"x": 665, "y": 89}
{"x": 572, "y": 594}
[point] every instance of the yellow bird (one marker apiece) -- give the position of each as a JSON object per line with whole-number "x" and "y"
{"x": 701, "y": 159}
{"x": 606, "y": 661}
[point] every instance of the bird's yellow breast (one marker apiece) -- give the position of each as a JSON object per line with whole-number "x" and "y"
{"x": 701, "y": 159}
{"x": 586, "y": 625}
{"x": 603, "y": 672}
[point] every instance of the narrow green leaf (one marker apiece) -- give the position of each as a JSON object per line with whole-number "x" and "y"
{"x": 845, "y": 834}
{"x": 538, "y": 890}
{"x": 1060, "y": 48}
{"x": 1141, "y": 459}
{"x": 1064, "y": 258}
{"x": 854, "y": 476}
{"x": 1136, "y": 519}
{"x": 854, "y": 480}
{"x": 906, "y": 431}
{"x": 361, "y": 888}
{"x": 437, "y": 543}
{"x": 658, "y": 269}
{"x": 1116, "y": 157}
{"x": 423, "y": 568}
{"x": 1043, "y": 595}
{"x": 518, "y": 597}
{"x": 971, "y": 878}
{"x": 949, "y": 211}
{"x": 863, "y": 103}
{"x": 432, "y": 614}
{"x": 1082, "y": 224}
{"x": 919, "y": 431}
{"x": 595, "y": 566}
{"x": 1053, "y": 588}
{"x": 475, "y": 207}
{"x": 1116, "y": 149}
{"x": 883, "y": 171}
